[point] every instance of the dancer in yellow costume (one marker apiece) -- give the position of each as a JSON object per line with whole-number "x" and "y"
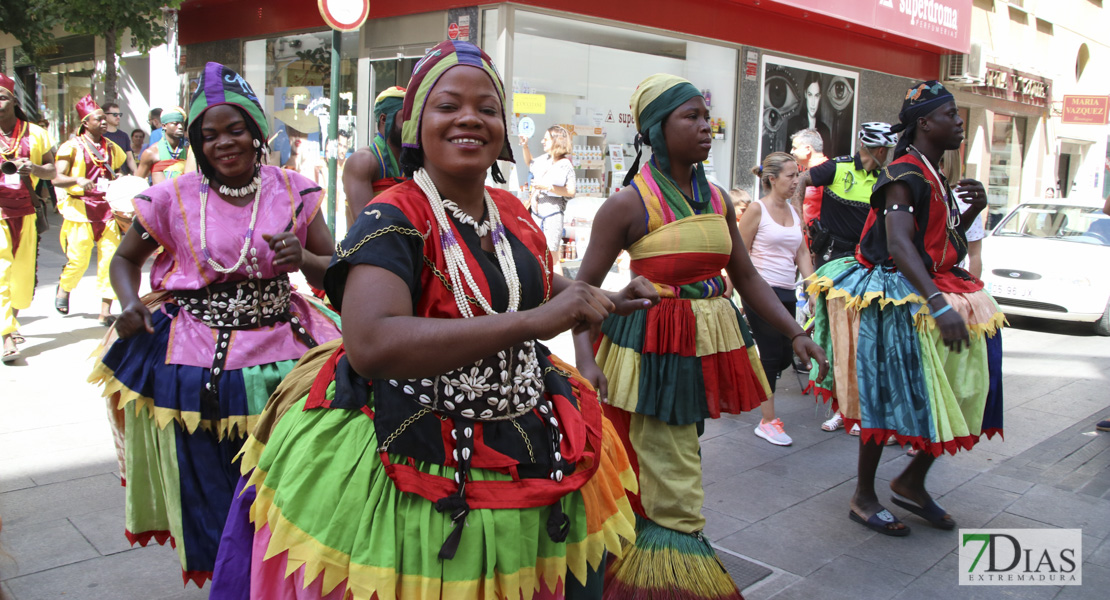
{"x": 85, "y": 166}
{"x": 25, "y": 150}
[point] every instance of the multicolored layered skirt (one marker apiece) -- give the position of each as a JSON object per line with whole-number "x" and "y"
{"x": 689, "y": 358}
{"x": 176, "y": 457}
{"x": 320, "y": 515}
{"x": 890, "y": 370}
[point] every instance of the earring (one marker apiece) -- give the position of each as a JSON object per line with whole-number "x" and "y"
{"x": 257, "y": 144}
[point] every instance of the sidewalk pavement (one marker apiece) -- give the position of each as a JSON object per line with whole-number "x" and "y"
{"x": 778, "y": 515}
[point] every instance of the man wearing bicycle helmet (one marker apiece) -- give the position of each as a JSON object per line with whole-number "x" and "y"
{"x": 837, "y": 219}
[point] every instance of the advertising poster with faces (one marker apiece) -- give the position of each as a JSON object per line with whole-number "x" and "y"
{"x": 797, "y": 95}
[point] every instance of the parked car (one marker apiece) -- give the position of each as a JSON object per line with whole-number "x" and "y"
{"x": 1049, "y": 259}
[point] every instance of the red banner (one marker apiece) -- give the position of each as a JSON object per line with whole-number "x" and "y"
{"x": 942, "y": 23}
{"x": 1086, "y": 110}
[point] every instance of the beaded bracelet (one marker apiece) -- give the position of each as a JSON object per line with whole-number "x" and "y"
{"x": 898, "y": 207}
{"x": 947, "y": 307}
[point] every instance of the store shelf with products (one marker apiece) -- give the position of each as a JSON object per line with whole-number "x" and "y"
{"x": 590, "y": 171}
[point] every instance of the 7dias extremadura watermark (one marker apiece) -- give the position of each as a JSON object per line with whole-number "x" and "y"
{"x": 1021, "y": 557}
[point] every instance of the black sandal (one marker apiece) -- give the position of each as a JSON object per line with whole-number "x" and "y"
{"x": 61, "y": 304}
{"x": 881, "y": 522}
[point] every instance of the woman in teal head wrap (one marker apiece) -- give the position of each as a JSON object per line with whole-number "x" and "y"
{"x": 690, "y": 357}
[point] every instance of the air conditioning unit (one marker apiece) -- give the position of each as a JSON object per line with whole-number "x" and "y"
{"x": 967, "y": 68}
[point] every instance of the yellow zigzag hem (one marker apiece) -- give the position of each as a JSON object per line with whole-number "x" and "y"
{"x": 922, "y": 318}
{"x": 363, "y": 581}
{"x": 825, "y": 284}
{"x": 231, "y": 427}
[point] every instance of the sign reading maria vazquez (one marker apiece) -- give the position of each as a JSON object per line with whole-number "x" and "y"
{"x": 1021, "y": 557}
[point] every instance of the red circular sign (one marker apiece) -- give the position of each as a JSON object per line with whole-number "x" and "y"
{"x": 344, "y": 15}
{"x": 453, "y": 31}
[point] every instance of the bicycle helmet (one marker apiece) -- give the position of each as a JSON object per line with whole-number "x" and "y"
{"x": 877, "y": 134}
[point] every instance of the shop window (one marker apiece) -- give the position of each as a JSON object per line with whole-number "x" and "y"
{"x": 581, "y": 75}
{"x": 1007, "y": 153}
{"x": 292, "y": 74}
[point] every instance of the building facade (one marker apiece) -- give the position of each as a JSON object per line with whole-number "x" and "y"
{"x": 576, "y": 63}
{"x": 1026, "y": 59}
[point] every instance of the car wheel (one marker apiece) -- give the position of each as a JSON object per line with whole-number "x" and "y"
{"x": 1102, "y": 326}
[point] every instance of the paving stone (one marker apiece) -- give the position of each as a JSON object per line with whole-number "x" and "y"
{"x": 982, "y": 458}
{"x": 766, "y": 588}
{"x": 1007, "y": 520}
{"x": 1101, "y": 555}
{"x": 45, "y": 503}
{"x": 931, "y": 588}
{"x": 142, "y": 573}
{"x": 972, "y": 506}
{"x": 826, "y": 469}
{"x": 912, "y": 555}
{"x": 1000, "y": 482}
{"x": 103, "y": 529}
{"x": 816, "y": 539}
{"x": 848, "y": 578}
{"x": 723, "y": 457}
{"x": 1076, "y": 400}
{"x": 36, "y": 547}
{"x": 1064, "y": 509}
{"x": 721, "y": 426}
{"x": 944, "y": 476}
{"x": 1096, "y": 585}
{"x": 754, "y": 495}
{"x": 719, "y": 525}
{"x": 1025, "y": 428}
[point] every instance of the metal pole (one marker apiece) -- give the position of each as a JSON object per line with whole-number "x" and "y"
{"x": 333, "y": 128}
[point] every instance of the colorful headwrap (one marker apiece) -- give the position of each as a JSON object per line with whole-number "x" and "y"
{"x": 9, "y": 84}
{"x": 654, "y": 99}
{"x": 921, "y": 100}
{"x": 220, "y": 85}
{"x": 426, "y": 74}
{"x": 175, "y": 114}
{"x": 388, "y": 103}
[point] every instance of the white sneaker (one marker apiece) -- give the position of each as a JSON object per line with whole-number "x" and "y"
{"x": 836, "y": 422}
{"x": 773, "y": 432}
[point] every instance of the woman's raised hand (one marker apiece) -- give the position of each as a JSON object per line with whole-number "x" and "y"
{"x": 287, "y": 250}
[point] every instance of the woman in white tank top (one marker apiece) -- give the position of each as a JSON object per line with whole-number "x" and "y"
{"x": 772, "y": 232}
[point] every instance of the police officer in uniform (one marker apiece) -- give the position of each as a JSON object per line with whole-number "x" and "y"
{"x": 840, "y": 211}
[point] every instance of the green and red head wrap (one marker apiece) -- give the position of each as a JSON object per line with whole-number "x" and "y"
{"x": 653, "y": 101}
{"x": 220, "y": 85}
{"x": 426, "y": 73}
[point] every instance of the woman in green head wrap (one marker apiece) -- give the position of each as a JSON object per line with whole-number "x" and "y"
{"x": 666, "y": 369}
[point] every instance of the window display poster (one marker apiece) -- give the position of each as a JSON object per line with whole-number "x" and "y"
{"x": 797, "y": 95}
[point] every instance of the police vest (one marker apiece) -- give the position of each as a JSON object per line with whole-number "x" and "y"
{"x": 847, "y": 200}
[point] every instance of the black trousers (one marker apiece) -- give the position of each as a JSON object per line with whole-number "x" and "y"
{"x": 775, "y": 350}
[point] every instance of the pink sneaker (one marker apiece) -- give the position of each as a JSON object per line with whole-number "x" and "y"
{"x": 773, "y": 432}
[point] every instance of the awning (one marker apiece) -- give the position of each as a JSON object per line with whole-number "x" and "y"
{"x": 943, "y": 24}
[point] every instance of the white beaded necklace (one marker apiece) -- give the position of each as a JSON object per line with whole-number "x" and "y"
{"x": 204, "y": 227}
{"x": 241, "y": 191}
{"x": 482, "y": 230}
{"x": 952, "y": 214}
{"x": 457, "y": 269}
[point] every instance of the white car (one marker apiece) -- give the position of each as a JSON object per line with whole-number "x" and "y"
{"x": 1049, "y": 259}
